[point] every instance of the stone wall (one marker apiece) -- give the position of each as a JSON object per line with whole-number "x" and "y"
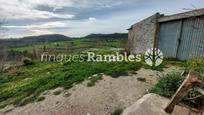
{"x": 141, "y": 35}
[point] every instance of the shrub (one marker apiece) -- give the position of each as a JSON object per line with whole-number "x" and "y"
{"x": 117, "y": 112}
{"x": 57, "y": 92}
{"x": 27, "y": 61}
{"x": 40, "y": 98}
{"x": 196, "y": 64}
{"x": 168, "y": 84}
{"x": 116, "y": 73}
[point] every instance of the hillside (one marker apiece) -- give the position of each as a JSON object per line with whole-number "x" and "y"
{"x": 33, "y": 40}
{"x": 30, "y": 40}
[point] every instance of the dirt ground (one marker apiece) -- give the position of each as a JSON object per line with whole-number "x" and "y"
{"x": 106, "y": 96}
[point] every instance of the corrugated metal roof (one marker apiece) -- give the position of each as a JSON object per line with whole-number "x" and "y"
{"x": 193, "y": 13}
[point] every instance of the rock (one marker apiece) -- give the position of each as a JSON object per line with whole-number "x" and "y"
{"x": 57, "y": 90}
{"x": 6, "y": 109}
{"x": 95, "y": 75}
{"x": 150, "y": 104}
{"x": 66, "y": 94}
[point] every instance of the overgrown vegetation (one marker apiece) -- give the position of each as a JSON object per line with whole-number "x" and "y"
{"x": 168, "y": 84}
{"x": 27, "y": 61}
{"x": 34, "y": 79}
{"x": 194, "y": 98}
{"x": 196, "y": 65}
{"x": 22, "y": 85}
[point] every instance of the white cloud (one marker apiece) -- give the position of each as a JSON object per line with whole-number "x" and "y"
{"x": 73, "y": 28}
{"x": 26, "y": 9}
{"x": 47, "y": 25}
{"x": 117, "y": 19}
{"x": 92, "y": 19}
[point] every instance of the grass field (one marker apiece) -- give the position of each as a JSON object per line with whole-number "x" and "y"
{"x": 21, "y": 85}
{"x": 74, "y": 44}
{"x": 30, "y": 81}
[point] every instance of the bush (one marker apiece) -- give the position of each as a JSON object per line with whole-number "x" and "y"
{"x": 27, "y": 61}
{"x": 196, "y": 64}
{"x": 168, "y": 84}
{"x": 40, "y": 98}
{"x": 117, "y": 112}
{"x": 57, "y": 92}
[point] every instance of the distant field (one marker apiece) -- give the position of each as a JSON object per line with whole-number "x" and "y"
{"x": 74, "y": 45}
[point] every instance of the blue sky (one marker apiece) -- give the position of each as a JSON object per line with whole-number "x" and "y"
{"x": 78, "y": 18}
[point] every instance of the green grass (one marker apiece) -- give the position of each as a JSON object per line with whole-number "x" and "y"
{"x": 23, "y": 85}
{"x": 165, "y": 64}
{"x": 76, "y": 44}
{"x": 33, "y": 79}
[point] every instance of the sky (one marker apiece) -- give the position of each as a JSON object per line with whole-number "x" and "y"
{"x": 77, "y": 18}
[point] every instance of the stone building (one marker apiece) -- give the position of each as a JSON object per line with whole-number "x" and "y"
{"x": 178, "y": 36}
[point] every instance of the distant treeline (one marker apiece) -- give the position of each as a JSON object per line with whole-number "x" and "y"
{"x": 32, "y": 40}
{"x": 108, "y": 36}
{"x": 54, "y": 38}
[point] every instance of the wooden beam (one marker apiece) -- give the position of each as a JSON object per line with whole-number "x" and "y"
{"x": 191, "y": 80}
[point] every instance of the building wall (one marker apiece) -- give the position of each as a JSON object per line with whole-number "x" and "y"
{"x": 168, "y": 37}
{"x": 182, "y": 39}
{"x": 180, "y": 36}
{"x": 141, "y": 35}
